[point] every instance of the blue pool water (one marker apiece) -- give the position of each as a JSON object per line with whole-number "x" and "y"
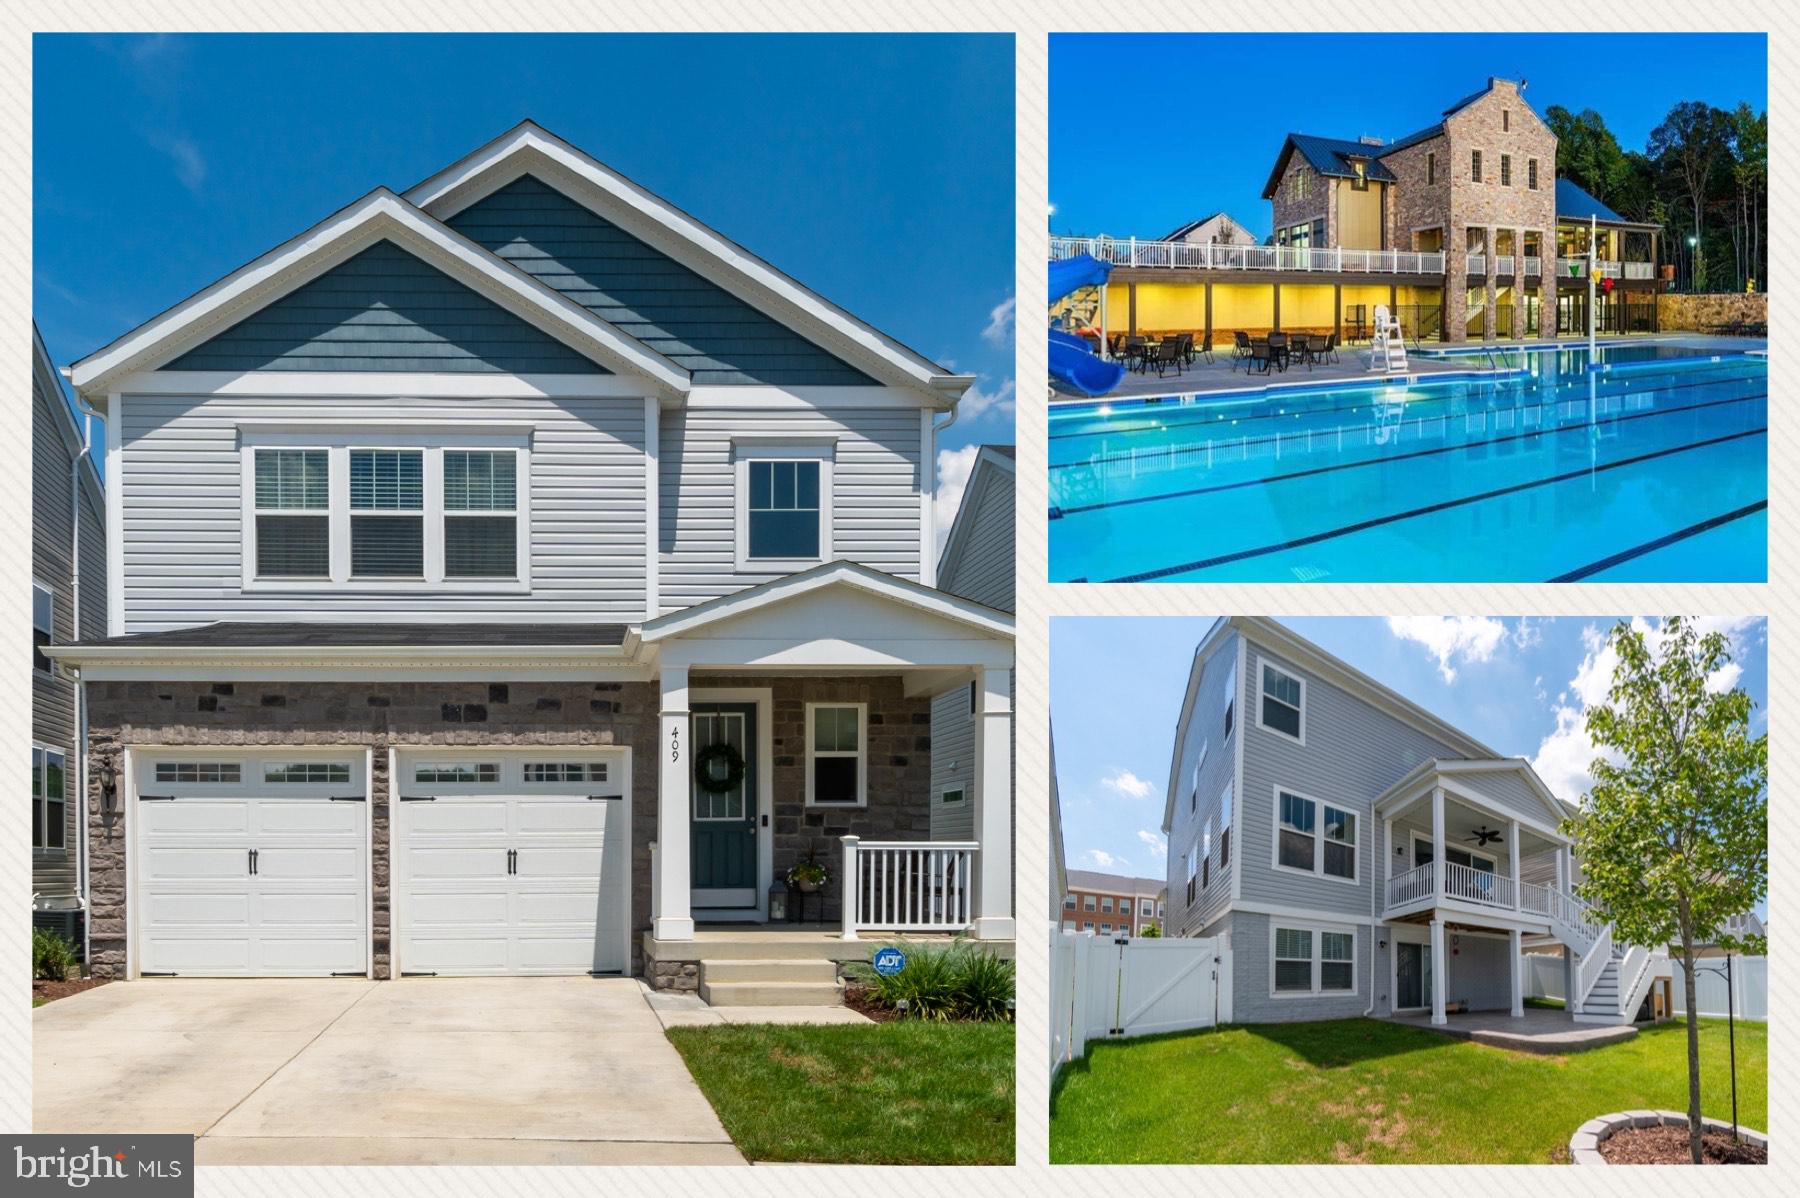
{"x": 1650, "y": 466}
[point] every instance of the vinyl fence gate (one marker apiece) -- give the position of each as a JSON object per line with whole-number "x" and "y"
{"x": 1101, "y": 987}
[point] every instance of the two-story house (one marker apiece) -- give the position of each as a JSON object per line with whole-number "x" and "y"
{"x": 1362, "y": 856}
{"x": 514, "y": 575}
{"x": 68, "y": 596}
{"x": 1462, "y": 229}
{"x": 1111, "y": 904}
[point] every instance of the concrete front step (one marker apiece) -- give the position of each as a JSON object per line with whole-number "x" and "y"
{"x": 772, "y": 994}
{"x": 766, "y": 969}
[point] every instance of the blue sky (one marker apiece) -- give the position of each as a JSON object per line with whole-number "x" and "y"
{"x": 1224, "y": 101}
{"x": 877, "y": 170}
{"x": 1518, "y": 685}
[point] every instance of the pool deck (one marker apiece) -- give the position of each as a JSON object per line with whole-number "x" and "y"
{"x": 1225, "y": 374}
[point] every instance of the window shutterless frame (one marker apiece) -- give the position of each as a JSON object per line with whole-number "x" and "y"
{"x": 43, "y": 624}
{"x": 1316, "y": 835}
{"x": 338, "y": 444}
{"x": 1272, "y": 686}
{"x": 1328, "y": 947}
{"x": 817, "y": 453}
{"x": 860, "y": 754}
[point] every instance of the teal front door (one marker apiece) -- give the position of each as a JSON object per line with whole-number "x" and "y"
{"x": 725, "y": 814}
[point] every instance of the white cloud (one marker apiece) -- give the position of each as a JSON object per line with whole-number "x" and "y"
{"x": 1451, "y": 639}
{"x": 1128, "y": 784}
{"x": 1564, "y": 757}
{"x": 190, "y": 164}
{"x": 1000, "y": 322}
{"x": 953, "y": 469}
{"x": 1101, "y": 859}
{"x": 1159, "y": 848}
{"x": 978, "y": 401}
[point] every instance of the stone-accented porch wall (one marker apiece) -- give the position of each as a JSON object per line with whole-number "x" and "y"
{"x": 899, "y": 765}
{"x": 376, "y": 715}
{"x": 1290, "y": 211}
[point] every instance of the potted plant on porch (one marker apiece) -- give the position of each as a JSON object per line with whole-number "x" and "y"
{"x": 809, "y": 874}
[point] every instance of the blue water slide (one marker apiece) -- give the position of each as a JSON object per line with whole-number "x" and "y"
{"x": 1073, "y": 363}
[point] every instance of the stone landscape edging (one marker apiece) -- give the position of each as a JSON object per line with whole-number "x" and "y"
{"x": 1584, "y": 1145}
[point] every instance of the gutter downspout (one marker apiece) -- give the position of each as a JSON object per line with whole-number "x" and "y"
{"x": 1374, "y": 892}
{"x": 88, "y": 416}
{"x": 931, "y": 466}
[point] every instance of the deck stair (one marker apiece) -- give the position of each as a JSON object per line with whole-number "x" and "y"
{"x": 1388, "y": 350}
{"x": 1610, "y": 979}
{"x": 770, "y": 982}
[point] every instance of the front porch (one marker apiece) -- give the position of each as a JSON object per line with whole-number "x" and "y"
{"x": 795, "y": 728}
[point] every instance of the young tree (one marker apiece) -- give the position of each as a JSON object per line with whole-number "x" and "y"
{"x": 1150, "y": 931}
{"x": 1673, "y": 837}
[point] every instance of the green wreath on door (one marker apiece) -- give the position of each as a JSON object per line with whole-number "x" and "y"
{"x": 706, "y": 763}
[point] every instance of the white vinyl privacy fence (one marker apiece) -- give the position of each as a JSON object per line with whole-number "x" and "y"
{"x": 1102, "y": 987}
{"x": 1749, "y": 980}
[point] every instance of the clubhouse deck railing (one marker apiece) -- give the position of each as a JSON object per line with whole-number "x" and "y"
{"x": 1180, "y": 255}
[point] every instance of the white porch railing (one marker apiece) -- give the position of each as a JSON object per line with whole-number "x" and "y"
{"x": 908, "y": 885}
{"x": 1571, "y": 268}
{"x": 1640, "y": 270}
{"x": 1181, "y": 255}
{"x": 1477, "y": 264}
{"x": 1593, "y": 964}
{"x": 1534, "y": 266}
{"x": 1477, "y": 886}
{"x": 1410, "y": 887}
{"x": 1579, "y": 924}
{"x": 1503, "y": 264}
{"x": 1534, "y": 898}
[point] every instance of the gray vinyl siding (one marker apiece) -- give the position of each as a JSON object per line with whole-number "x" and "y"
{"x": 1353, "y": 753}
{"x": 875, "y": 492}
{"x": 982, "y": 568}
{"x": 647, "y": 294}
{"x": 183, "y": 535}
{"x": 53, "y": 722}
{"x": 1193, "y": 806}
{"x": 1508, "y": 792}
{"x": 1478, "y": 965}
{"x": 1252, "y": 977}
{"x": 952, "y": 765}
{"x": 385, "y": 310}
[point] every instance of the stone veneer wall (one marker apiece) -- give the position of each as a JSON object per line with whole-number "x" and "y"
{"x": 1700, "y": 313}
{"x": 1289, "y": 211}
{"x": 377, "y": 715}
{"x": 383, "y": 715}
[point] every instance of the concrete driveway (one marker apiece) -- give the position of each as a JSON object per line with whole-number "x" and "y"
{"x": 415, "y": 1071}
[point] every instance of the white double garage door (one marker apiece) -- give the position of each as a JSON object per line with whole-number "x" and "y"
{"x": 259, "y": 863}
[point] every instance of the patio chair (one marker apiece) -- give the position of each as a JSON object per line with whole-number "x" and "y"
{"x": 1314, "y": 350}
{"x": 1330, "y": 352}
{"x": 1134, "y": 352}
{"x": 1187, "y": 348}
{"x": 1240, "y": 344}
{"x": 1204, "y": 349}
{"x": 1259, "y": 359}
{"x": 1278, "y": 351}
{"x": 1168, "y": 353}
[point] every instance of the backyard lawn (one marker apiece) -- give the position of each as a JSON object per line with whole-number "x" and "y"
{"x": 1360, "y": 1090}
{"x": 884, "y": 1093}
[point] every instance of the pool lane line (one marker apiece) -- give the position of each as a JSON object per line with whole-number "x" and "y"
{"x": 1631, "y": 387}
{"x": 1692, "y": 530}
{"x": 1429, "y": 509}
{"x": 1058, "y": 513}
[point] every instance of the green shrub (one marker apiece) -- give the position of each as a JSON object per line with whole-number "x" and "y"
{"x": 52, "y": 957}
{"x": 951, "y": 982}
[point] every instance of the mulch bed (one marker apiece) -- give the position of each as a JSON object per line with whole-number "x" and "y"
{"x": 861, "y": 999}
{"x": 53, "y": 990}
{"x": 1669, "y": 1146}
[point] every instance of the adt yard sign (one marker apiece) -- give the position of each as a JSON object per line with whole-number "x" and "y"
{"x": 888, "y": 961}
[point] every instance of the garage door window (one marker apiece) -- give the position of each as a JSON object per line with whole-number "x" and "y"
{"x": 565, "y": 771}
{"x": 207, "y": 772}
{"x": 298, "y": 772}
{"x": 457, "y": 774}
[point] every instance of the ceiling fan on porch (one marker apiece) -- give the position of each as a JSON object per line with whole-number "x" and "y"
{"x": 1484, "y": 836}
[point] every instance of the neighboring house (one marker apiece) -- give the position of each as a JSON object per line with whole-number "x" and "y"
{"x": 68, "y": 596}
{"x": 1216, "y": 229}
{"x": 1110, "y": 904}
{"x": 1362, "y": 856}
{"x": 511, "y": 576}
{"x": 1462, "y": 229}
{"x": 977, "y": 564}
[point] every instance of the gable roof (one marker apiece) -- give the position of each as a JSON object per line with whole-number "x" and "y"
{"x": 852, "y": 575}
{"x": 530, "y": 148}
{"x": 1452, "y": 767}
{"x": 1184, "y": 230}
{"x": 1330, "y": 156}
{"x": 376, "y": 216}
{"x": 992, "y": 462}
{"x": 66, "y": 424}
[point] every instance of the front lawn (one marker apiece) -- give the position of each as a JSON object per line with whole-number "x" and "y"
{"x": 905, "y": 1093}
{"x": 1361, "y": 1090}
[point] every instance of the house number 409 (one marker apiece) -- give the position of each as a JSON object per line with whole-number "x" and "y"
{"x": 675, "y": 743}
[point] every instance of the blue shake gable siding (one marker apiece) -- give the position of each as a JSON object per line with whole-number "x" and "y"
{"x": 385, "y": 310}
{"x": 647, "y": 294}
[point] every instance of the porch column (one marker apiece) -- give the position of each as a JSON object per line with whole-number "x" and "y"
{"x": 993, "y": 805}
{"x": 1518, "y": 974}
{"x": 671, "y": 916}
{"x": 1439, "y": 983}
{"x": 1517, "y": 897}
{"x": 1437, "y": 841}
{"x": 1387, "y": 846}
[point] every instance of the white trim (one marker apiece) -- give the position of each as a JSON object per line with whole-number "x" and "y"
{"x": 37, "y": 584}
{"x": 38, "y": 746}
{"x": 860, "y": 754}
{"x": 1238, "y": 673}
{"x": 379, "y": 215}
{"x": 1264, "y": 664}
{"x": 529, "y": 148}
{"x": 749, "y": 448}
{"x": 1319, "y": 930}
{"x": 394, "y": 899}
{"x": 369, "y": 856}
{"x": 115, "y": 516}
{"x": 652, "y": 508}
{"x": 379, "y": 384}
{"x": 1318, "y": 836}
{"x": 930, "y": 562}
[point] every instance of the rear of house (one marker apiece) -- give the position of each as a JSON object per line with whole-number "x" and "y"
{"x": 1360, "y": 856}
{"x": 515, "y": 576}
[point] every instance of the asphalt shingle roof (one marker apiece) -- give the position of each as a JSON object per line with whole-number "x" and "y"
{"x": 287, "y": 635}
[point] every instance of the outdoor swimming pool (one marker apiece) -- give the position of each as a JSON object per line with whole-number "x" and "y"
{"x": 1650, "y": 467}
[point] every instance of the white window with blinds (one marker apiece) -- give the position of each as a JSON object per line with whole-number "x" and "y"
{"x": 356, "y": 511}
{"x": 1311, "y": 960}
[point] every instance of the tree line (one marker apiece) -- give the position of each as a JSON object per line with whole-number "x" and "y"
{"x": 1703, "y": 176}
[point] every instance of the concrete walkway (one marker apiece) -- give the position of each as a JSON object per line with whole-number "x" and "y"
{"x": 687, "y": 1010}
{"x": 415, "y": 1071}
{"x": 1538, "y": 1030}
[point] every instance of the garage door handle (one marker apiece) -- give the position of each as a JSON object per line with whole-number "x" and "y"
{"x": 418, "y": 798}
{"x": 155, "y": 799}
{"x": 603, "y": 798}
{"x": 253, "y": 861}
{"x": 512, "y": 861}
{"x": 348, "y": 799}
